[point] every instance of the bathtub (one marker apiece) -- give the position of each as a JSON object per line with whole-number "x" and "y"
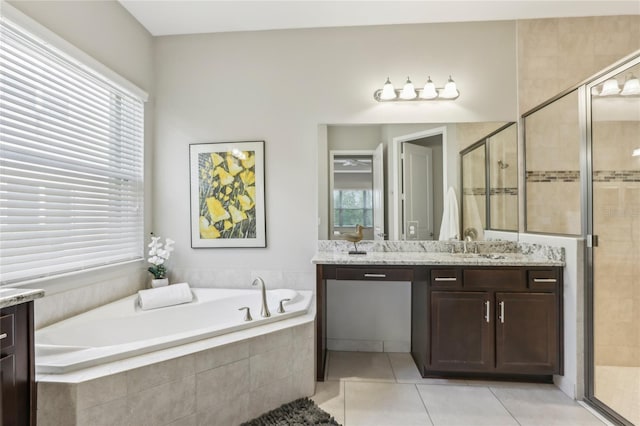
{"x": 121, "y": 330}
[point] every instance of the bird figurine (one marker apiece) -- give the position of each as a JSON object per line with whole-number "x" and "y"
{"x": 355, "y": 238}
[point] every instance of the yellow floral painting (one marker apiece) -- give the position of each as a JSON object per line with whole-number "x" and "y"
{"x": 230, "y": 206}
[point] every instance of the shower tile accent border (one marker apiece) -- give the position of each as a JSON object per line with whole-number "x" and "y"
{"x": 574, "y": 176}
{"x": 492, "y": 191}
{"x": 616, "y": 175}
{"x": 553, "y": 176}
{"x": 235, "y": 382}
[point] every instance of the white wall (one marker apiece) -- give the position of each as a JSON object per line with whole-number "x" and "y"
{"x": 572, "y": 382}
{"x": 278, "y": 86}
{"x": 107, "y": 32}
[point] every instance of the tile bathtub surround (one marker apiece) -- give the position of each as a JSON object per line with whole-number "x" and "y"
{"x": 372, "y": 389}
{"x": 225, "y": 385}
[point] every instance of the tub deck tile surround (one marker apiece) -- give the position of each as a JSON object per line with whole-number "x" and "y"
{"x": 189, "y": 385}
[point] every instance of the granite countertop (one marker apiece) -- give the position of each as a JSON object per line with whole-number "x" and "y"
{"x": 14, "y": 296}
{"x": 426, "y": 258}
{"x": 439, "y": 253}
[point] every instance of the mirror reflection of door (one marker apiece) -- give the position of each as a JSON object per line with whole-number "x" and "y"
{"x": 417, "y": 184}
{"x": 356, "y": 183}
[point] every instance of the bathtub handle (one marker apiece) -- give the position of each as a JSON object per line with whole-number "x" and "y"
{"x": 247, "y": 316}
{"x": 280, "y": 307}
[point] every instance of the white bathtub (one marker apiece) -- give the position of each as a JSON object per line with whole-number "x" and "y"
{"x": 121, "y": 329}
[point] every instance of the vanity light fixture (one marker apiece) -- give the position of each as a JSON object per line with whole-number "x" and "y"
{"x": 409, "y": 92}
{"x": 636, "y": 152}
{"x": 611, "y": 87}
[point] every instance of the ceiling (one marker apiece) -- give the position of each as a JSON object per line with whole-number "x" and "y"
{"x": 172, "y": 17}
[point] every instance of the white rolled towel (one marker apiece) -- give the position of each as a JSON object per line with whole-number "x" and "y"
{"x": 160, "y": 297}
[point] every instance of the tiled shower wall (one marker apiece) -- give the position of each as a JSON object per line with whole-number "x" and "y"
{"x": 552, "y": 137}
{"x": 554, "y": 55}
{"x": 503, "y": 180}
{"x": 616, "y": 189}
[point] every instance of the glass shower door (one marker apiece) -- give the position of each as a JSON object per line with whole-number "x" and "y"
{"x": 615, "y": 221}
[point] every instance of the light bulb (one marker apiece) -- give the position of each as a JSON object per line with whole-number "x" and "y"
{"x": 388, "y": 92}
{"x": 610, "y": 87}
{"x": 429, "y": 91}
{"x": 636, "y": 152}
{"x": 450, "y": 90}
{"x": 631, "y": 86}
{"x": 408, "y": 91}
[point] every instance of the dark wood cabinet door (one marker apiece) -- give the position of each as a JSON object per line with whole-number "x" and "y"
{"x": 526, "y": 333}
{"x": 8, "y": 390}
{"x": 461, "y": 331}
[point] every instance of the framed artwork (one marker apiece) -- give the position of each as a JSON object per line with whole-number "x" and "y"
{"x": 227, "y": 194}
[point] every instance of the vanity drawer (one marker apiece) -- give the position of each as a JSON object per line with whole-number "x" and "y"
{"x": 7, "y": 331}
{"x": 543, "y": 279}
{"x": 374, "y": 274}
{"x": 446, "y": 278}
{"x": 494, "y": 278}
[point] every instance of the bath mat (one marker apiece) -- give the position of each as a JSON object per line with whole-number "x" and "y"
{"x": 302, "y": 411}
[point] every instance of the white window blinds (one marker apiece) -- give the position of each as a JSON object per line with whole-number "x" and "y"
{"x": 71, "y": 163}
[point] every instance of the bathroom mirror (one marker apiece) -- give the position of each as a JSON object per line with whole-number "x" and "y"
{"x": 434, "y": 149}
{"x": 490, "y": 184}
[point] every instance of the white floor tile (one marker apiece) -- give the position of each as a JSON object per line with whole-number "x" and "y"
{"x": 364, "y": 366}
{"x": 406, "y": 371}
{"x": 543, "y": 406}
{"x": 329, "y": 396}
{"x": 464, "y": 406}
{"x": 372, "y": 389}
{"x": 384, "y": 404}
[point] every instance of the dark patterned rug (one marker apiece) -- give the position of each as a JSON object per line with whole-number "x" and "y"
{"x": 302, "y": 411}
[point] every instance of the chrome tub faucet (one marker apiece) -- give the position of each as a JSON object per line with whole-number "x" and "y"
{"x": 265, "y": 309}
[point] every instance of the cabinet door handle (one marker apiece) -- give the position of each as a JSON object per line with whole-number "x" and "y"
{"x": 375, "y": 275}
{"x": 445, "y": 279}
{"x": 544, "y": 280}
{"x": 487, "y": 307}
{"x": 502, "y": 312}
{"x": 3, "y": 336}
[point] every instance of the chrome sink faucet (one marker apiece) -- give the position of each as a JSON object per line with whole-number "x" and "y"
{"x": 265, "y": 309}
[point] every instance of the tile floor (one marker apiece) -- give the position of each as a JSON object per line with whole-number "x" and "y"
{"x": 369, "y": 389}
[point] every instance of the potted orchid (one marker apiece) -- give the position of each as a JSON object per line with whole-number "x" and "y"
{"x": 158, "y": 255}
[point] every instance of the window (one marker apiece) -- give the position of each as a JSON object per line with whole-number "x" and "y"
{"x": 71, "y": 163}
{"x": 352, "y": 207}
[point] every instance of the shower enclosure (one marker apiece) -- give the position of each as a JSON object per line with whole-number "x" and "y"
{"x": 582, "y": 179}
{"x": 614, "y": 259}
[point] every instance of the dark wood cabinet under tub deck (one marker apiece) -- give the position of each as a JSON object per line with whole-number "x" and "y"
{"x": 17, "y": 361}
{"x": 500, "y": 320}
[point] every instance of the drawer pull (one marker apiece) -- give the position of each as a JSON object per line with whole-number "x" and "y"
{"x": 502, "y": 312}
{"x": 375, "y": 275}
{"x": 446, "y": 279}
{"x": 544, "y": 280}
{"x": 3, "y": 336}
{"x": 487, "y": 305}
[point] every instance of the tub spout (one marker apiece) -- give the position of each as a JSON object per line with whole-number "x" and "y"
{"x": 265, "y": 309}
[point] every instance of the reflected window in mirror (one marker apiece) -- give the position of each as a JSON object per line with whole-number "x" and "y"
{"x": 352, "y": 189}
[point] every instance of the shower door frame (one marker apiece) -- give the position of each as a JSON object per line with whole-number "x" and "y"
{"x": 586, "y": 170}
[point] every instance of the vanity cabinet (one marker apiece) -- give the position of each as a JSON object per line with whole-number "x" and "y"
{"x": 490, "y": 321}
{"x": 17, "y": 365}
